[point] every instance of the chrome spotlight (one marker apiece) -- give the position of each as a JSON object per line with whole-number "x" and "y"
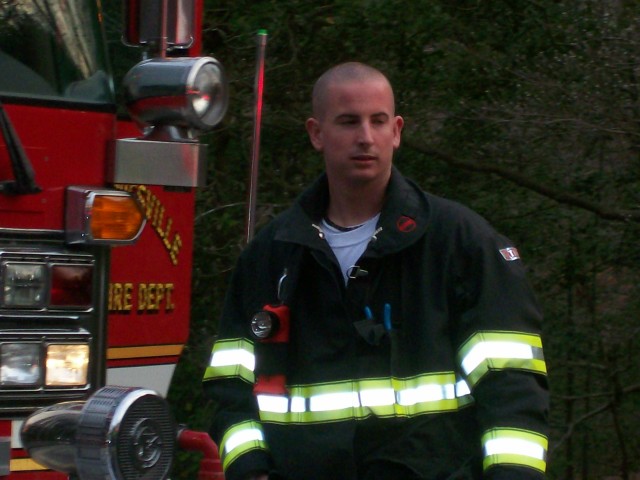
{"x": 122, "y": 433}
{"x": 183, "y": 95}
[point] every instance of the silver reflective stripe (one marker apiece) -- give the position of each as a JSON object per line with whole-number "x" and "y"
{"x": 462, "y": 388}
{"x": 514, "y": 446}
{"x": 232, "y": 358}
{"x": 363, "y": 398}
{"x": 298, "y": 404}
{"x": 485, "y": 350}
{"x": 242, "y": 437}
{"x": 238, "y": 356}
{"x": 273, "y": 403}
{"x": 377, "y": 397}
{"x": 333, "y": 401}
{"x": 426, "y": 393}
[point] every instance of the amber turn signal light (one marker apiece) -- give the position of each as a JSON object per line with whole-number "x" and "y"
{"x": 115, "y": 217}
{"x": 98, "y": 216}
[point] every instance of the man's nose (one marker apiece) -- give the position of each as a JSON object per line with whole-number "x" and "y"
{"x": 365, "y": 134}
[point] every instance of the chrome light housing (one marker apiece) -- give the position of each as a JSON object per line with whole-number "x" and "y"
{"x": 184, "y": 93}
{"x": 121, "y": 433}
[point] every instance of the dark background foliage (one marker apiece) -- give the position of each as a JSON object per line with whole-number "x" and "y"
{"x": 525, "y": 110}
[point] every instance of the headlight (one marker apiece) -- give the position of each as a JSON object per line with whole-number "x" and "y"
{"x": 24, "y": 284}
{"x": 182, "y": 92}
{"x": 33, "y": 365}
{"x": 67, "y": 365}
{"x": 48, "y": 284}
{"x": 19, "y": 364}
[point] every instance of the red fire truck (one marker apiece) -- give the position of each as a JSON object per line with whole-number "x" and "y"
{"x": 96, "y": 222}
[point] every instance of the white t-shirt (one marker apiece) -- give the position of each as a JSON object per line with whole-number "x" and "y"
{"x": 349, "y": 244}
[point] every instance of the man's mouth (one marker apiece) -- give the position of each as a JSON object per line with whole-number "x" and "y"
{"x": 363, "y": 157}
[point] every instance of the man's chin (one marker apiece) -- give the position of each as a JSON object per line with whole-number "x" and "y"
{"x": 367, "y": 176}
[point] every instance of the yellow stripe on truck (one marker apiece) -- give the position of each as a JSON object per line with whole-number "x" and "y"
{"x": 24, "y": 464}
{"x": 120, "y": 353}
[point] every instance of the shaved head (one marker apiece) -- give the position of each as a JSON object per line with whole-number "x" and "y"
{"x": 342, "y": 73}
{"x": 355, "y": 127}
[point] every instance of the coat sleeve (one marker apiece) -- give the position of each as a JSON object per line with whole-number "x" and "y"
{"x": 500, "y": 352}
{"x": 229, "y": 380}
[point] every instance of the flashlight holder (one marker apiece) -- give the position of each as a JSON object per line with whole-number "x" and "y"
{"x": 274, "y": 348}
{"x": 281, "y": 325}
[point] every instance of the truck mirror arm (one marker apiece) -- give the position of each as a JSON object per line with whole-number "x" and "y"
{"x": 24, "y": 182}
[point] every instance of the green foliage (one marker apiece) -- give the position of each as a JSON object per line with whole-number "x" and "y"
{"x": 527, "y": 111}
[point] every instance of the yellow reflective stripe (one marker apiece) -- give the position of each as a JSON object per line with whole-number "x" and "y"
{"x": 511, "y": 446}
{"x": 232, "y": 358}
{"x": 358, "y": 399}
{"x": 240, "y": 439}
{"x": 488, "y": 350}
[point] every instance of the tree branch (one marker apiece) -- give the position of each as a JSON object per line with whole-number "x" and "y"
{"x": 526, "y": 182}
{"x": 593, "y": 413}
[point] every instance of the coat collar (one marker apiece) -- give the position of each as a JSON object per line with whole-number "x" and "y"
{"x": 403, "y": 218}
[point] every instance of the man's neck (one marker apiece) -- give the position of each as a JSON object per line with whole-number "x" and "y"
{"x": 354, "y": 206}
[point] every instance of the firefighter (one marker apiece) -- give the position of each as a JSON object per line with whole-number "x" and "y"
{"x": 375, "y": 331}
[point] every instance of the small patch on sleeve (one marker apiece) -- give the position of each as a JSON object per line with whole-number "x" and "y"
{"x": 510, "y": 254}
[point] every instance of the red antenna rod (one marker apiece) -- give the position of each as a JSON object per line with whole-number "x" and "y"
{"x": 257, "y": 121}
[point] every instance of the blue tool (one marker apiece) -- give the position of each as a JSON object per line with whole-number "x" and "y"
{"x": 386, "y": 319}
{"x": 368, "y": 313}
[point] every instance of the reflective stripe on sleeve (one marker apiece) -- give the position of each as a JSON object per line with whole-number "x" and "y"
{"x": 507, "y": 446}
{"x": 231, "y": 358}
{"x": 486, "y": 351}
{"x": 358, "y": 399}
{"x": 239, "y": 439}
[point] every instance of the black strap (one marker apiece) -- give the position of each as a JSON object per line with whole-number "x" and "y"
{"x": 290, "y": 275}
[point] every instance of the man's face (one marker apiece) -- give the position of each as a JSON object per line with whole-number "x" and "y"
{"x": 357, "y": 132}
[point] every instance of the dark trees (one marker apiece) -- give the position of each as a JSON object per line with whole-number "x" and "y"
{"x": 527, "y": 111}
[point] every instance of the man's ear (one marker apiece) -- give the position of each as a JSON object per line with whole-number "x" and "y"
{"x": 315, "y": 135}
{"x": 397, "y": 130}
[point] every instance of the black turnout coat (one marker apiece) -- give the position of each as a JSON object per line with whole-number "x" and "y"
{"x": 456, "y": 304}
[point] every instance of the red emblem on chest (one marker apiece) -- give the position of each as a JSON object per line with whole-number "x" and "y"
{"x": 406, "y": 224}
